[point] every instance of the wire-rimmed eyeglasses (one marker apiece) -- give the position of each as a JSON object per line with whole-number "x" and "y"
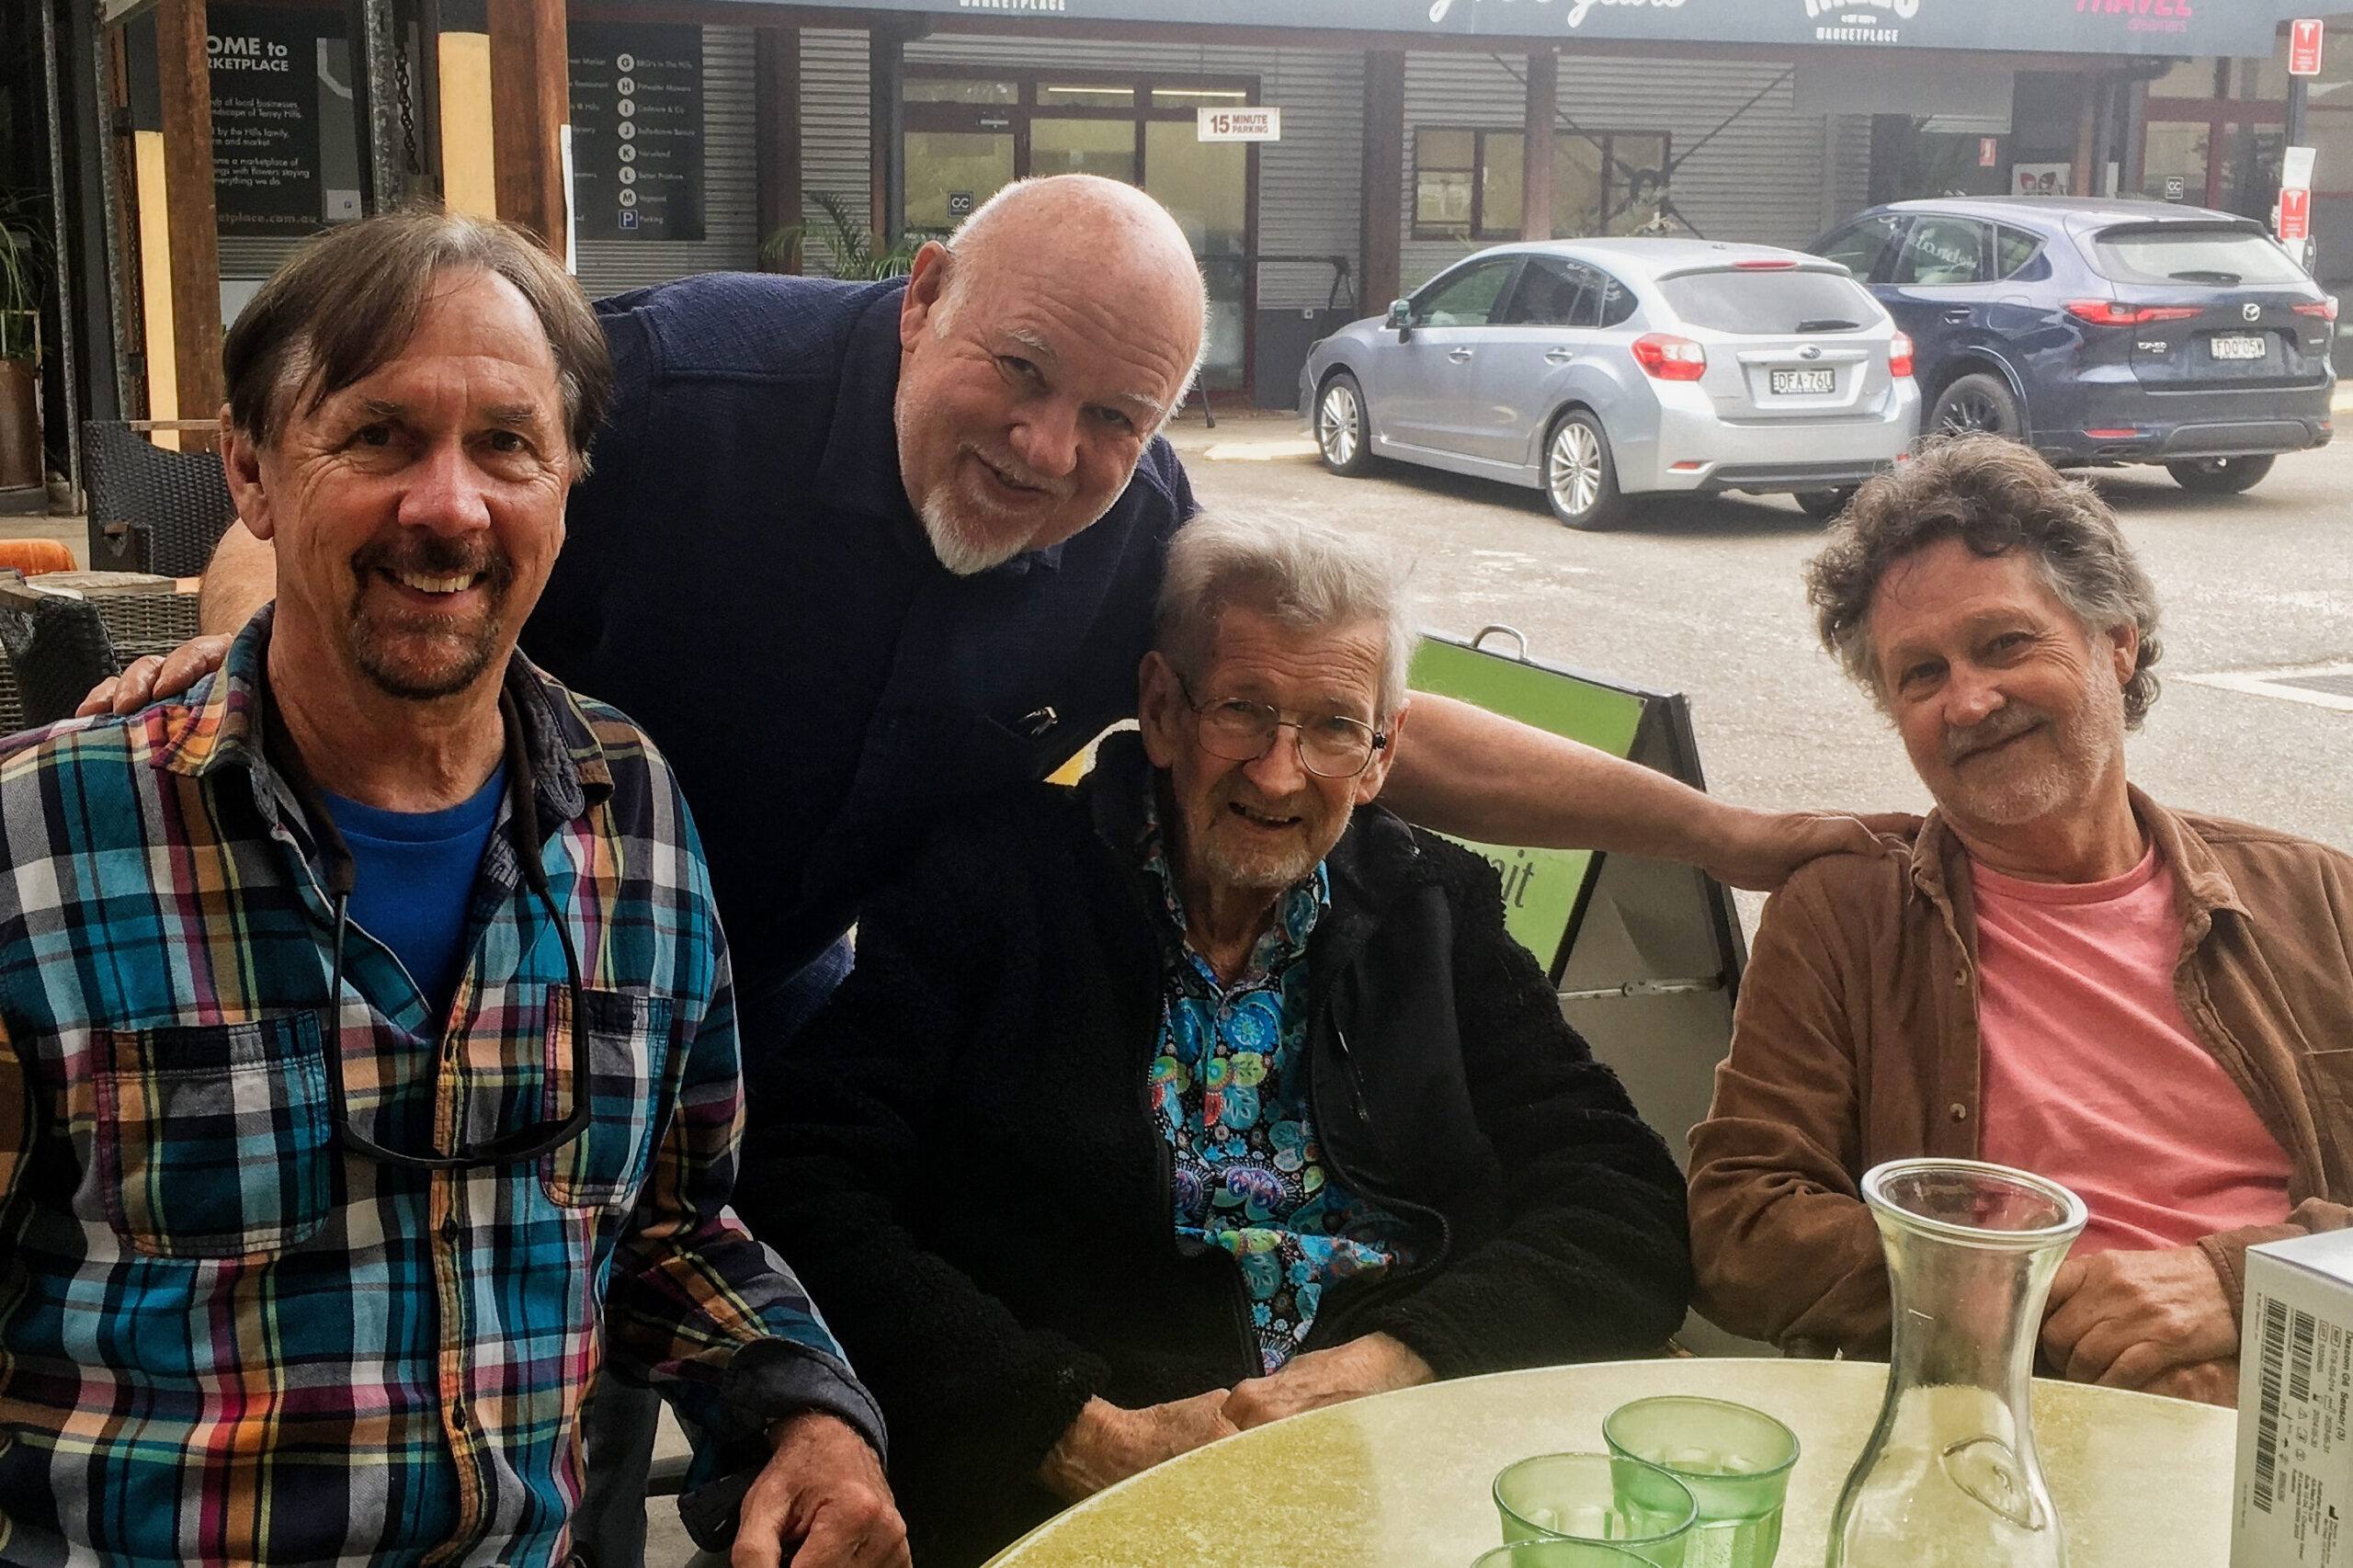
{"x": 516, "y": 1144}
{"x": 1331, "y": 746}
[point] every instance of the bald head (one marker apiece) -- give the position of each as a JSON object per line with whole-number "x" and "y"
{"x": 1039, "y": 353}
{"x": 1088, "y": 235}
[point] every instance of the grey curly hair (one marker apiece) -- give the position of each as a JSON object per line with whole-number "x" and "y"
{"x": 1997, "y": 498}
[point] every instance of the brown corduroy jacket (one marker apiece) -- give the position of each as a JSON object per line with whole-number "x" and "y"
{"x": 1856, "y": 1041}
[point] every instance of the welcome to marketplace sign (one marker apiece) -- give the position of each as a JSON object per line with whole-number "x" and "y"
{"x": 2072, "y": 27}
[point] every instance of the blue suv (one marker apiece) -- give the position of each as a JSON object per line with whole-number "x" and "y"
{"x": 2104, "y": 332}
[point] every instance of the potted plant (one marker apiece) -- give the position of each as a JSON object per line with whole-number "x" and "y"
{"x": 24, "y": 267}
{"x": 854, "y": 250}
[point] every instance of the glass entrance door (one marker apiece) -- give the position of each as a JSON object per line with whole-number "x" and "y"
{"x": 1206, "y": 186}
{"x": 967, "y": 136}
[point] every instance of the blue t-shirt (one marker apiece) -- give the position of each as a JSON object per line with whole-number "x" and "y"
{"x": 416, "y": 880}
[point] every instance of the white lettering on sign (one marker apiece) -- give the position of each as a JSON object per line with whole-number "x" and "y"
{"x": 1907, "y": 10}
{"x": 1577, "y": 9}
{"x": 1239, "y": 125}
{"x": 246, "y": 55}
{"x": 2304, "y": 46}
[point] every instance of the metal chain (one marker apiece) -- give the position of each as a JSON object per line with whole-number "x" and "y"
{"x": 408, "y": 111}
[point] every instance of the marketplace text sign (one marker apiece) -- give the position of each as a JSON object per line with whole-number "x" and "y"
{"x": 2072, "y": 27}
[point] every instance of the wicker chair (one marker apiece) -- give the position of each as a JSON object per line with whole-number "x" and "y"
{"x": 151, "y": 510}
{"x": 57, "y": 649}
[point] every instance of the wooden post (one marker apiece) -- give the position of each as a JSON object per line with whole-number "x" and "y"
{"x": 776, "y": 153}
{"x": 531, "y": 92}
{"x": 2087, "y": 124}
{"x": 183, "y": 78}
{"x": 1380, "y": 202}
{"x": 1535, "y": 146}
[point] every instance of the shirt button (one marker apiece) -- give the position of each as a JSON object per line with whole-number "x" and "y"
{"x": 458, "y": 1416}
{"x": 449, "y": 1229}
{"x": 1960, "y": 1111}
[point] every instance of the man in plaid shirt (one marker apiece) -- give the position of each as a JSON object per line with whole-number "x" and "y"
{"x": 326, "y": 1184}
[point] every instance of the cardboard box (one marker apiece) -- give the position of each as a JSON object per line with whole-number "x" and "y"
{"x": 2291, "y": 1497}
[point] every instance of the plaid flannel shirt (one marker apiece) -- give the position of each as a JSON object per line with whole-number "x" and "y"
{"x": 223, "y": 1338}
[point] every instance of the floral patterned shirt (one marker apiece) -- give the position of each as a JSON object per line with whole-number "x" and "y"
{"x": 1230, "y": 1085}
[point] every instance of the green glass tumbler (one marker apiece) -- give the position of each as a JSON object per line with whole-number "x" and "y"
{"x": 1558, "y": 1554}
{"x": 1735, "y": 1461}
{"x": 1602, "y": 1497}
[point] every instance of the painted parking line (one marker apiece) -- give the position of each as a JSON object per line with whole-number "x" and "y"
{"x": 2321, "y": 686}
{"x": 1257, "y": 452}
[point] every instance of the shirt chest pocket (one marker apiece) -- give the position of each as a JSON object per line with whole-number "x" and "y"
{"x": 215, "y": 1141}
{"x": 628, "y": 1058}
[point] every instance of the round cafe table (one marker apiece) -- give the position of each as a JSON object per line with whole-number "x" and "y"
{"x": 1399, "y": 1481}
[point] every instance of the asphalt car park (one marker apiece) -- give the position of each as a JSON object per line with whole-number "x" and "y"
{"x": 1704, "y": 597}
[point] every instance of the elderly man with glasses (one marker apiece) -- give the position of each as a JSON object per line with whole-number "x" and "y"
{"x": 367, "y": 1068}
{"x": 1205, "y": 1093}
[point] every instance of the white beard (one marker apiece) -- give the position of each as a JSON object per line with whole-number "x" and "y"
{"x": 963, "y": 555}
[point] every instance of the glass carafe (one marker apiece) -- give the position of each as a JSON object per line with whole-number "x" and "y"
{"x": 1949, "y": 1478}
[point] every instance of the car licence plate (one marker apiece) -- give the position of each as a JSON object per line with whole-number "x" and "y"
{"x": 2238, "y": 346}
{"x": 1786, "y": 382}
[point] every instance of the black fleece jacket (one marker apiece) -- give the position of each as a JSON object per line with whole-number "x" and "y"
{"x": 959, "y": 1158}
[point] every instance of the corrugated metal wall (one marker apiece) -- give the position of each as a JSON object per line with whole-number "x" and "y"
{"x": 729, "y": 214}
{"x": 1760, "y": 179}
{"x": 836, "y": 156}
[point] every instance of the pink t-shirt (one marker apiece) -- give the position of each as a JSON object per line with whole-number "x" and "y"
{"x": 2092, "y": 1075}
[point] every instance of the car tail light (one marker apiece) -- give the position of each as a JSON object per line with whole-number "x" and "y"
{"x": 1899, "y": 354}
{"x": 2325, "y": 309}
{"x": 1670, "y": 358}
{"x": 2114, "y": 312}
{"x": 1764, "y": 264}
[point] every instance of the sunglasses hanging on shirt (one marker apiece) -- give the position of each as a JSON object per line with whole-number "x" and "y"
{"x": 507, "y": 1148}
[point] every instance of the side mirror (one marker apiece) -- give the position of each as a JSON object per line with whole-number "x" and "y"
{"x": 1400, "y": 318}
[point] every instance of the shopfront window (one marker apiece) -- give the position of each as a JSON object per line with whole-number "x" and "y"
{"x": 2172, "y": 161}
{"x": 950, "y": 172}
{"x": 1106, "y": 147}
{"x": 2215, "y": 135}
{"x": 1084, "y": 95}
{"x": 2189, "y": 79}
{"x": 961, "y": 90}
{"x": 1468, "y": 184}
{"x": 1446, "y": 176}
{"x": 969, "y": 136}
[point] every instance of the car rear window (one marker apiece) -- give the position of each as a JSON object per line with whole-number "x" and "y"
{"x": 2223, "y": 257}
{"x": 1770, "y": 304}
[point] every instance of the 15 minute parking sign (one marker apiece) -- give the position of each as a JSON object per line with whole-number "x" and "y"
{"x": 1240, "y": 125}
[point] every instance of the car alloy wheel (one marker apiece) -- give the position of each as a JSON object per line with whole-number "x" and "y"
{"x": 1579, "y": 481}
{"x": 1978, "y": 404}
{"x": 1340, "y": 434}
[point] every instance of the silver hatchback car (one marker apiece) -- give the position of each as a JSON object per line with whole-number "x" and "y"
{"x": 1598, "y": 369}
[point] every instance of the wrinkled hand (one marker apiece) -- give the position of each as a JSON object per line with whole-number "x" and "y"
{"x": 820, "y": 1502}
{"x": 2125, "y": 1318}
{"x": 2208, "y": 1382}
{"x": 1758, "y": 850}
{"x": 1108, "y": 1444}
{"x": 1374, "y": 1364}
{"x": 152, "y": 677}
